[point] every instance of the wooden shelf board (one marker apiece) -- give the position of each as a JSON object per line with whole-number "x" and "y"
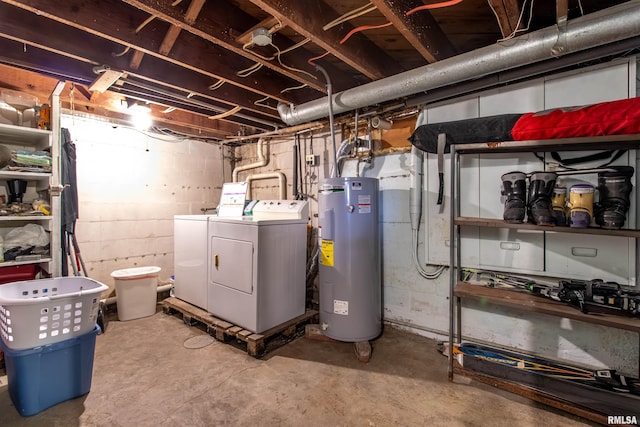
{"x": 611, "y": 142}
{"x": 525, "y": 301}
{"x": 498, "y": 223}
{"x": 6, "y": 174}
{"x": 11, "y": 134}
{"x": 31, "y": 261}
{"x": 533, "y": 394}
{"x": 25, "y": 218}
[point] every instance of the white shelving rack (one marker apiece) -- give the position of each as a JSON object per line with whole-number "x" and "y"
{"x": 19, "y": 137}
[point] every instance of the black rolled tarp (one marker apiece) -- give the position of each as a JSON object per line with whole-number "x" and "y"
{"x": 483, "y": 129}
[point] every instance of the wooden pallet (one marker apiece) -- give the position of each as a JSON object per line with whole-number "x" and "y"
{"x": 256, "y": 344}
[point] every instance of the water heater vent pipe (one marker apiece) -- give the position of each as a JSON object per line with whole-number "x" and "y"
{"x": 262, "y": 161}
{"x": 282, "y": 182}
{"x": 333, "y": 132}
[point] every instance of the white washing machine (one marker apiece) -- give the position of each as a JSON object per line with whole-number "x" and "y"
{"x": 190, "y": 258}
{"x": 257, "y": 264}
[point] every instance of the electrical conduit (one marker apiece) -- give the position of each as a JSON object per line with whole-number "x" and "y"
{"x": 415, "y": 212}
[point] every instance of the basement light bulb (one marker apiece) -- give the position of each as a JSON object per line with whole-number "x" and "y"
{"x": 141, "y": 120}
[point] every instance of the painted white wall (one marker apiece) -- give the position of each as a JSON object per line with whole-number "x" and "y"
{"x": 130, "y": 186}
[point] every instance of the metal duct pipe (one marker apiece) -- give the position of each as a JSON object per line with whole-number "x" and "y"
{"x": 595, "y": 29}
{"x": 331, "y": 126}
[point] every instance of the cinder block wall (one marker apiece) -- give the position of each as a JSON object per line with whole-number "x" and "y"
{"x": 130, "y": 186}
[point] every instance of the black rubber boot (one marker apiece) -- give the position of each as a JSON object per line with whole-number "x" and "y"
{"x": 613, "y": 203}
{"x": 539, "y": 207}
{"x": 514, "y": 186}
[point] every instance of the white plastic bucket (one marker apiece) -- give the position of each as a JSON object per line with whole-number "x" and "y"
{"x": 136, "y": 292}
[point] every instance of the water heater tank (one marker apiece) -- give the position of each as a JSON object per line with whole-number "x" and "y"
{"x": 350, "y": 284}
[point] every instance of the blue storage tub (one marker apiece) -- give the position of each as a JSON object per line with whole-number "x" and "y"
{"x": 45, "y": 376}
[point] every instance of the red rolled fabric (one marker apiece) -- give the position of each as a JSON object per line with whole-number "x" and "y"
{"x": 606, "y": 118}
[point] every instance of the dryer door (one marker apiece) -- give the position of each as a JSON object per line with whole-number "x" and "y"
{"x": 232, "y": 263}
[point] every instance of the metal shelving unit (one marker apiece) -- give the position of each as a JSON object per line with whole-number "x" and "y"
{"x": 458, "y": 289}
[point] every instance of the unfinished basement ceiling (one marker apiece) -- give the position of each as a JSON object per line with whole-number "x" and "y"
{"x": 199, "y": 65}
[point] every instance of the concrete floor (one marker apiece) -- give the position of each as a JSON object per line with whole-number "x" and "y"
{"x": 145, "y": 376}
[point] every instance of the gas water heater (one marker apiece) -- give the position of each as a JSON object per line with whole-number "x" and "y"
{"x": 350, "y": 271}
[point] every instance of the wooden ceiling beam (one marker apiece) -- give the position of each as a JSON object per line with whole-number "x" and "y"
{"x": 178, "y": 120}
{"x": 221, "y": 19}
{"x": 27, "y": 81}
{"x": 136, "y": 59}
{"x": 247, "y": 36}
{"x": 169, "y": 40}
{"x": 166, "y": 99}
{"x": 98, "y": 18}
{"x": 307, "y": 18}
{"x": 190, "y": 17}
{"x": 420, "y": 29}
{"x": 94, "y": 50}
{"x": 507, "y": 13}
{"x": 106, "y": 104}
{"x": 562, "y": 10}
{"x": 224, "y": 37}
{"x": 172, "y": 33}
{"x": 33, "y": 58}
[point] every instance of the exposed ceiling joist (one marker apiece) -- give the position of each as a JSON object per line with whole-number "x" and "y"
{"x": 422, "y": 30}
{"x": 562, "y": 10}
{"x": 172, "y": 34}
{"x": 508, "y": 13}
{"x": 308, "y": 18}
{"x": 95, "y": 51}
{"x": 79, "y": 72}
{"x": 268, "y": 23}
{"x": 204, "y": 29}
{"x": 199, "y": 57}
{"x": 191, "y": 52}
{"x": 106, "y": 104}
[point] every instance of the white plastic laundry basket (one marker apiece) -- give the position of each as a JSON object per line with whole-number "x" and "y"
{"x": 46, "y": 311}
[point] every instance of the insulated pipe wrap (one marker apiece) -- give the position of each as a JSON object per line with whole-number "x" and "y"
{"x": 595, "y": 29}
